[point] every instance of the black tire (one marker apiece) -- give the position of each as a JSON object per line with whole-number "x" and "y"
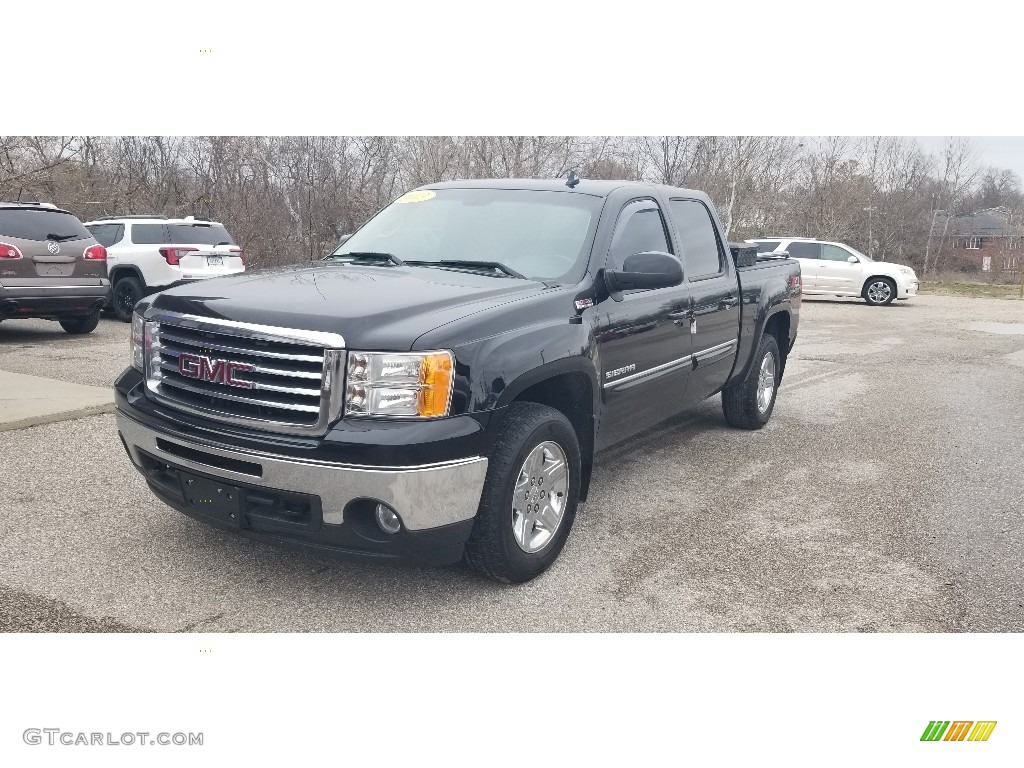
{"x": 81, "y": 323}
{"x": 871, "y": 294}
{"x": 740, "y": 400}
{"x": 126, "y": 294}
{"x": 492, "y": 548}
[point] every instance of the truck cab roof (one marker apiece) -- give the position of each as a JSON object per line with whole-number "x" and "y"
{"x": 594, "y": 187}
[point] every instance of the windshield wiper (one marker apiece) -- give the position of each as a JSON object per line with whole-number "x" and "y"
{"x": 367, "y": 255}
{"x": 60, "y": 238}
{"x": 494, "y": 266}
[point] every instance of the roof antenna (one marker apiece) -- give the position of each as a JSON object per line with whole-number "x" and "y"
{"x": 573, "y": 180}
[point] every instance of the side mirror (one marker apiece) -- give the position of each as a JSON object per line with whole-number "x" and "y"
{"x": 644, "y": 271}
{"x": 853, "y": 259}
{"x": 343, "y": 238}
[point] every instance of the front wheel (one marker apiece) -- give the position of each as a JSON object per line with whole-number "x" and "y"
{"x": 748, "y": 404}
{"x": 530, "y": 495}
{"x": 879, "y": 291}
{"x": 81, "y": 323}
{"x": 127, "y": 293}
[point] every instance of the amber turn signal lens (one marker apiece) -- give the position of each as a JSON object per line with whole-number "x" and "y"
{"x": 436, "y": 384}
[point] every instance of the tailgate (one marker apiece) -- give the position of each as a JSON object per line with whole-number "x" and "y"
{"x": 210, "y": 262}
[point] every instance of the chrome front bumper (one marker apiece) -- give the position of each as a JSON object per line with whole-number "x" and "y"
{"x": 425, "y": 496}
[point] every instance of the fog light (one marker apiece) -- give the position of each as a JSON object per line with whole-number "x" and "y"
{"x": 388, "y": 519}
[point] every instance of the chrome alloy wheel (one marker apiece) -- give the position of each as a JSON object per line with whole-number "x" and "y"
{"x": 879, "y": 292}
{"x": 766, "y": 382}
{"x": 540, "y": 497}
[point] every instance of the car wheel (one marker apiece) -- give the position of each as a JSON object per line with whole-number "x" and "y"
{"x": 81, "y": 323}
{"x": 748, "y": 404}
{"x": 879, "y": 291}
{"x": 127, "y": 293}
{"x": 530, "y": 495}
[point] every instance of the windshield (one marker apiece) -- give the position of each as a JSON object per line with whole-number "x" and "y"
{"x": 41, "y": 224}
{"x": 199, "y": 234}
{"x": 861, "y": 255}
{"x": 542, "y": 235}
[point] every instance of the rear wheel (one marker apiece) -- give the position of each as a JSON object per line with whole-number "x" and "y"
{"x": 749, "y": 404}
{"x": 81, "y": 324}
{"x": 530, "y": 495}
{"x": 127, "y": 293}
{"x": 879, "y": 291}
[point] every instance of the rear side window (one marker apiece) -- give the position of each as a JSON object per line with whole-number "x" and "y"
{"x": 107, "y": 234}
{"x": 149, "y": 234}
{"x": 640, "y": 229}
{"x": 697, "y": 239}
{"x": 41, "y": 224}
{"x": 800, "y": 250}
{"x": 199, "y": 234}
{"x": 767, "y": 246}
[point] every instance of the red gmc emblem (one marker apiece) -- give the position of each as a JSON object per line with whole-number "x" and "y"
{"x": 209, "y": 369}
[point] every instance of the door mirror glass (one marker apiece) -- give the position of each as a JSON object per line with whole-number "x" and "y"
{"x": 643, "y": 272}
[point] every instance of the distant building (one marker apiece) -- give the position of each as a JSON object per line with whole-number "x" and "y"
{"x": 992, "y": 239}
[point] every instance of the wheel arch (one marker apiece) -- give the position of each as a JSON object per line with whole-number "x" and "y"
{"x": 867, "y": 281}
{"x": 126, "y": 270}
{"x": 569, "y": 388}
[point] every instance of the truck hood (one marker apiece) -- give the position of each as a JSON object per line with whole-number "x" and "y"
{"x": 384, "y": 307}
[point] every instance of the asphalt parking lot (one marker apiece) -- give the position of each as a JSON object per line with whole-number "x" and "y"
{"x": 885, "y": 495}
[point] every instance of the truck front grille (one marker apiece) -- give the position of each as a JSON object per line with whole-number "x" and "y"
{"x": 276, "y": 379}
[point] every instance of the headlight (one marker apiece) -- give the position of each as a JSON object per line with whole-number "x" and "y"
{"x": 415, "y": 384}
{"x": 138, "y": 329}
{"x": 906, "y": 270}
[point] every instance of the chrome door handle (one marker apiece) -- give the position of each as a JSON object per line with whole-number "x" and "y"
{"x": 732, "y": 301}
{"x": 679, "y": 318}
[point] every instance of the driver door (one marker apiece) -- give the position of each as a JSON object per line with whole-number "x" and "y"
{"x": 836, "y": 272}
{"x": 644, "y": 340}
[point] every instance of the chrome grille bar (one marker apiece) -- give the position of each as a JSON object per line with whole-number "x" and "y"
{"x": 245, "y": 374}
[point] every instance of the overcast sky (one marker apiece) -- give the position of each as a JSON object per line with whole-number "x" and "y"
{"x": 1000, "y": 151}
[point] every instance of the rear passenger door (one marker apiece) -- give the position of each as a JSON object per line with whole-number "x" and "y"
{"x": 644, "y": 345}
{"x": 809, "y": 255}
{"x": 714, "y": 297}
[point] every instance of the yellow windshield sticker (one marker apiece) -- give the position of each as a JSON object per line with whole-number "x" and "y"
{"x": 416, "y": 197}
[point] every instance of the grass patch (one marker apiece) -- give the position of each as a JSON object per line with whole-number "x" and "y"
{"x": 959, "y": 288}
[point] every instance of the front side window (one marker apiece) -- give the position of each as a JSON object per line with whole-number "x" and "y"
{"x": 803, "y": 250}
{"x": 834, "y": 253}
{"x": 542, "y": 235}
{"x": 697, "y": 239}
{"x": 640, "y": 229}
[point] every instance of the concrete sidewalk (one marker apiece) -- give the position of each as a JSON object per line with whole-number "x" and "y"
{"x": 29, "y": 400}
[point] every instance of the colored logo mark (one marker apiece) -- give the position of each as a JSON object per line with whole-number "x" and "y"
{"x": 958, "y": 730}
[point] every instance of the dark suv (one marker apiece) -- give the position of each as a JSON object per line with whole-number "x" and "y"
{"x": 50, "y": 267}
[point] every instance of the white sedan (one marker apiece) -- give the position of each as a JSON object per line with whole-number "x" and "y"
{"x": 835, "y": 269}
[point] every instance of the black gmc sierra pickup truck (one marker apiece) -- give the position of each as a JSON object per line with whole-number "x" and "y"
{"x": 437, "y": 388}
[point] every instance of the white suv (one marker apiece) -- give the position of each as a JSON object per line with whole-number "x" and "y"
{"x": 149, "y": 253}
{"x": 835, "y": 269}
